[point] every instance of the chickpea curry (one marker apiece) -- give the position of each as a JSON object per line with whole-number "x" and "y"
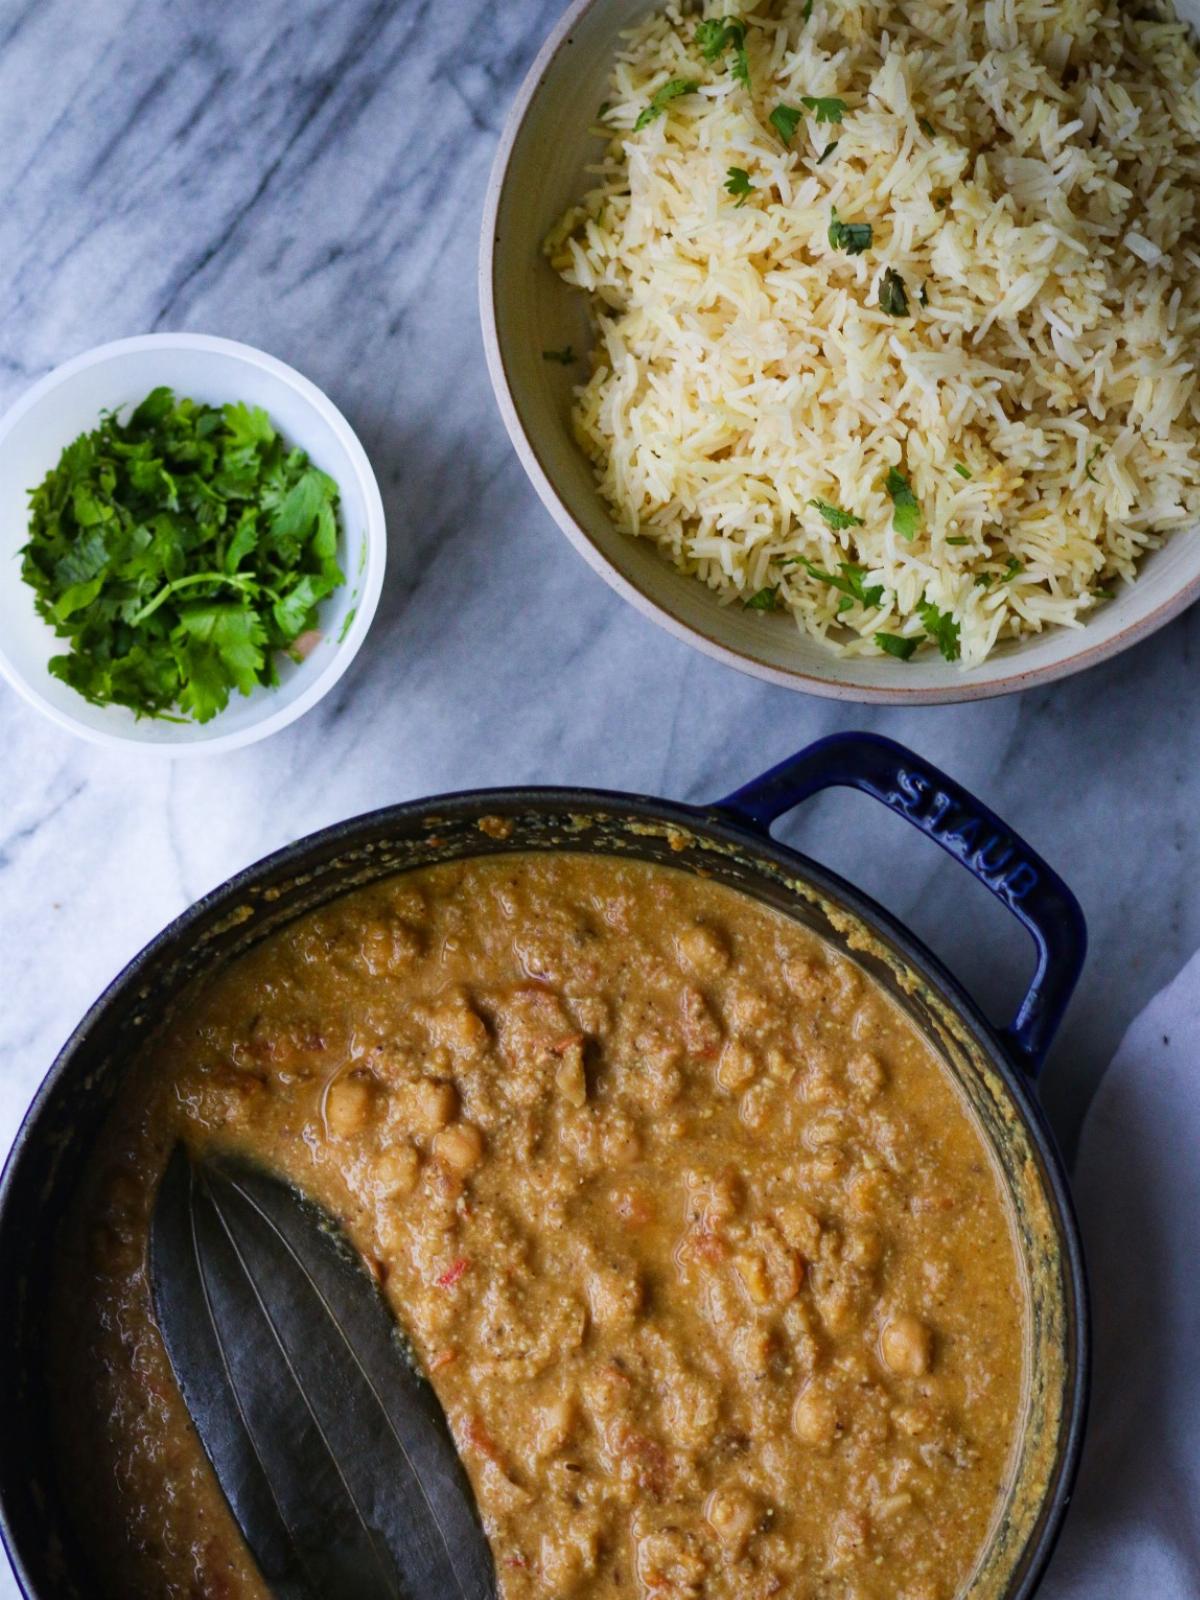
{"x": 703, "y": 1252}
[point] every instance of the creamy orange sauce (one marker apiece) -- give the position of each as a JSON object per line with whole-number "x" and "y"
{"x": 707, "y": 1260}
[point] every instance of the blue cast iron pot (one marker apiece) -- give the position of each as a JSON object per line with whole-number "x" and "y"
{"x": 729, "y": 841}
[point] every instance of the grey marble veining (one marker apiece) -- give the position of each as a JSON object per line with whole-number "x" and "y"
{"x": 308, "y": 177}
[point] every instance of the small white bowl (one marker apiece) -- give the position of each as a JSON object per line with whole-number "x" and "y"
{"x": 68, "y": 402}
{"x": 539, "y": 171}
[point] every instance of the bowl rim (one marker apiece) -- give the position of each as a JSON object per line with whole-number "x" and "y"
{"x": 1002, "y": 680}
{"x": 709, "y": 820}
{"x": 375, "y": 534}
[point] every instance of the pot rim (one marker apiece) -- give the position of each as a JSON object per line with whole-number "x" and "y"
{"x": 708, "y": 821}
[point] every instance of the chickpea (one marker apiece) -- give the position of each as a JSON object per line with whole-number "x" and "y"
{"x": 757, "y": 1107}
{"x": 733, "y": 1517}
{"x": 863, "y": 1247}
{"x": 799, "y": 1227}
{"x": 561, "y": 1562}
{"x": 907, "y": 1346}
{"x": 814, "y": 1417}
{"x": 754, "y": 1348}
{"x": 396, "y": 1172}
{"x": 913, "y": 1420}
{"x": 807, "y": 977}
{"x": 752, "y": 1270}
{"x": 702, "y": 951}
{"x": 349, "y": 1104}
{"x": 554, "y": 1424}
{"x": 826, "y": 1133}
{"x": 700, "y": 1029}
{"x": 388, "y": 947}
{"x": 865, "y": 1074}
{"x": 615, "y": 1296}
{"x": 433, "y": 1105}
{"x": 726, "y": 1195}
{"x": 459, "y": 1147}
{"x": 458, "y": 1026}
{"x": 737, "y": 1067}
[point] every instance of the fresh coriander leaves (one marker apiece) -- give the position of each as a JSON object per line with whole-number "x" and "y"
{"x": 715, "y": 37}
{"x": 179, "y": 552}
{"x": 848, "y": 581}
{"x": 896, "y": 645}
{"x": 827, "y": 152}
{"x": 852, "y": 237}
{"x": 892, "y": 295}
{"x": 764, "y": 600}
{"x": 835, "y": 516}
{"x": 661, "y": 99}
{"x": 827, "y": 109}
{"x": 963, "y": 472}
{"x": 785, "y": 120}
{"x": 941, "y": 628}
{"x": 737, "y": 182}
{"x": 906, "y": 511}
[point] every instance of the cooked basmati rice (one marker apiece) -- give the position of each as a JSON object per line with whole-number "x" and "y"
{"x": 1029, "y": 168}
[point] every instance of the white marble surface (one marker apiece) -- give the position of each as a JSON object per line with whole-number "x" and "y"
{"x": 309, "y": 177}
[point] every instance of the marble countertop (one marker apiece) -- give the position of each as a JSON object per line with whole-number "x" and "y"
{"x": 309, "y": 178}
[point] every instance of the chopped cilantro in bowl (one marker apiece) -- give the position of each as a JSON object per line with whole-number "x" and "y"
{"x": 180, "y": 551}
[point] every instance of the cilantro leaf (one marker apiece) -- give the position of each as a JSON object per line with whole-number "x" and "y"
{"x": 827, "y": 152}
{"x": 155, "y": 408}
{"x": 234, "y": 632}
{"x": 906, "y": 512}
{"x": 896, "y": 645}
{"x": 764, "y": 600}
{"x": 785, "y": 120}
{"x": 1094, "y": 456}
{"x": 835, "y": 516}
{"x": 177, "y": 553}
{"x": 958, "y": 538}
{"x": 246, "y": 426}
{"x": 892, "y": 296}
{"x": 849, "y": 583}
{"x": 828, "y": 109}
{"x": 963, "y": 472}
{"x": 716, "y": 36}
{"x": 294, "y": 610}
{"x": 1012, "y": 570}
{"x": 941, "y": 628}
{"x": 852, "y": 237}
{"x": 738, "y": 182}
{"x": 662, "y": 98}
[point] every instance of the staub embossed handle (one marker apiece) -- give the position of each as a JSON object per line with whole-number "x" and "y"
{"x": 967, "y": 830}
